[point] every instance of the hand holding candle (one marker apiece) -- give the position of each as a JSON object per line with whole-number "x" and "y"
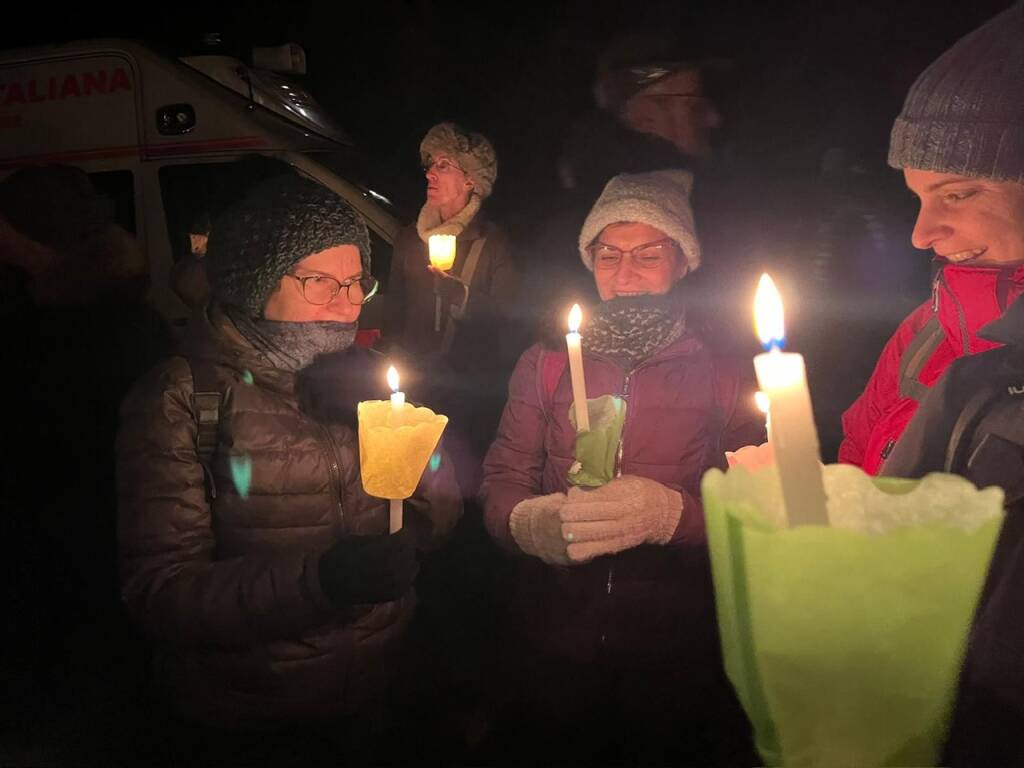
{"x": 794, "y": 438}
{"x": 579, "y": 387}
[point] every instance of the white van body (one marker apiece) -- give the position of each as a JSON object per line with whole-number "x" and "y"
{"x": 113, "y": 107}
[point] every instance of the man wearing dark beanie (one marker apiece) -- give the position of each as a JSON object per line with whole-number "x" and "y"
{"x": 960, "y": 143}
{"x": 254, "y": 558}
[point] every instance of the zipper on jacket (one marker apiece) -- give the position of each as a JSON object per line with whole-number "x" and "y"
{"x": 335, "y": 470}
{"x": 935, "y": 293}
{"x": 618, "y": 451}
{"x": 887, "y": 448}
{"x": 961, "y": 316}
{"x": 608, "y": 592}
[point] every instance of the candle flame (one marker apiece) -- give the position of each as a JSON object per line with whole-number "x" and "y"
{"x": 442, "y": 251}
{"x": 761, "y": 399}
{"x": 393, "y": 378}
{"x": 768, "y": 314}
{"x": 575, "y": 318}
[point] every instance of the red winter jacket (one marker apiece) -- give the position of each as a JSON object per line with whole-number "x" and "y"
{"x": 650, "y": 605}
{"x": 964, "y": 299}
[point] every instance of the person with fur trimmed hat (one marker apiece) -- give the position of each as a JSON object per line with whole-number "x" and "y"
{"x": 960, "y": 144}
{"x": 613, "y": 613}
{"x": 463, "y": 344}
{"x": 265, "y": 574}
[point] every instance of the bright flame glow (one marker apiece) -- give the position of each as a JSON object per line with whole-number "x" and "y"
{"x": 393, "y": 378}
{"x": 575, "y": 318}
{"x": 768, "y": 316}
{"x": 441, "y": 249}
{"x": 762, "y": 401}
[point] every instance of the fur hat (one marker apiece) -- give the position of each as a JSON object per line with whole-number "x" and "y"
{"x": 660, "y": 199}
{"x": 965, "y": 113}
{"x": 276, "y": 225}
{"x": 472, "y": 151}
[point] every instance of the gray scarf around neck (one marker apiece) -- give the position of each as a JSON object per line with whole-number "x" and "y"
{"x": 632, "y": 329}
{"x": 292, "y": 346}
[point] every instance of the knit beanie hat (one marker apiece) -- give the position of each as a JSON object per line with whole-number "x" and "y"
{"x": 660, "y": 199}
{"x": 276, "y": 225}
{"x": 965, "y": 113}
{"x": 472, "y": 151}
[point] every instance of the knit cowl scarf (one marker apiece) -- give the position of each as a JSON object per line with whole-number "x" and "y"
{"x": 292, "y": 346}
{"x": 630, "y": 330}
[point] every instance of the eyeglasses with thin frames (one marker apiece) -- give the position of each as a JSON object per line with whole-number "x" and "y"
{"x": 645, "y": 256}
{"x": 443, "y": 165}
{"x": 322, "y": 289}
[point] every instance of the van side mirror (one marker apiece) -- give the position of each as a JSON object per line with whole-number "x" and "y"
{"x": 175, "y": 119}
{"x": 289, "y": 59}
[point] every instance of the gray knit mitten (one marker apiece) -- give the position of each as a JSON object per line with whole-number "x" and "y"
{"x": 537, "y": 528}
{"x": 622, "y": 514}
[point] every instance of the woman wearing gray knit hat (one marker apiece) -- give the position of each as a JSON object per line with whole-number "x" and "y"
{"x": 248, "y": 547}
{"x": 613, "y": 585}
{"x": 960, "y": 143}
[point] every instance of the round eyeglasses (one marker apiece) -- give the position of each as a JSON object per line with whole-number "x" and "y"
{"x": 442, "y": 164}
{"x": 322, "y": 289}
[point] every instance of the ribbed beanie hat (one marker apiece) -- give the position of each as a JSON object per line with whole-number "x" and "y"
{"x": 965, "y": 113}
{"x": 276, "y": 225}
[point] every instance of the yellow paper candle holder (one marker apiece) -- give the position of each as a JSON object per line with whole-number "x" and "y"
{"x": 395, "y": 446}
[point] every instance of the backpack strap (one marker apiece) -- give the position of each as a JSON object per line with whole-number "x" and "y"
{"x": 918, "y": 352}
{"x": 550, "y": 366}
{"x": 207, "y": 401}
{"x": 458, "y": 311}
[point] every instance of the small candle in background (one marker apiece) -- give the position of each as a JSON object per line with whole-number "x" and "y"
{"x": 397, "y": 397}
{"x": 441, "y": 249}
{"x": 794, "y": 438}
{"x": 764, "y": 406}
{"x": 573, "y": 342}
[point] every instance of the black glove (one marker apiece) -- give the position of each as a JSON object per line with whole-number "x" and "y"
{"x": 369, "y": 569}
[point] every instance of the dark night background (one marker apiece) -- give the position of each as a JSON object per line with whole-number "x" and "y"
{"x": 807, "y": 102}
{"x": 807, "y": 105}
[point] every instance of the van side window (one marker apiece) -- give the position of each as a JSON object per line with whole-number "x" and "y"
{"x": 195, "y": 194}
{"x": 380, "y": 250}
{"x": 119, "y": 187}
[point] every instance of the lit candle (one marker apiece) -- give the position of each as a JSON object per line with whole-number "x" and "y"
{"x": 442, "y": 251}
{"x": 782, "y": 378}
{"x": 764, "y": 406}
{"x": 397, "y": 398}
{"x": 397, "y": 404}
{"x": 579, "y": 387}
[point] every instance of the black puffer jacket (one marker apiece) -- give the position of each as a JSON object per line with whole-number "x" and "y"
{"x": 229, "y": 589}
{"x": 971, "y": 422}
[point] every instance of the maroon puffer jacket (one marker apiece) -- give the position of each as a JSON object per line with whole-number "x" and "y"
{"x": 651, "y": 605}
{"x": 230, "y": 589}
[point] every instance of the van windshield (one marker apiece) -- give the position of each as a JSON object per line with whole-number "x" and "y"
{"x": 367, "y": 173}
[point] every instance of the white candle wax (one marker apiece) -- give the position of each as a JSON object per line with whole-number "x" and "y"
{"x": 782, "y": 378}
{"x": 397, "y": 398}
{"x": 764, "y": 406}
{"x": 579, "y": 387}
{"x": 394, "y": 515}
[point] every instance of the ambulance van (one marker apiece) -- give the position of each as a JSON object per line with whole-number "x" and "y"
{"x": 171, "y": 141}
